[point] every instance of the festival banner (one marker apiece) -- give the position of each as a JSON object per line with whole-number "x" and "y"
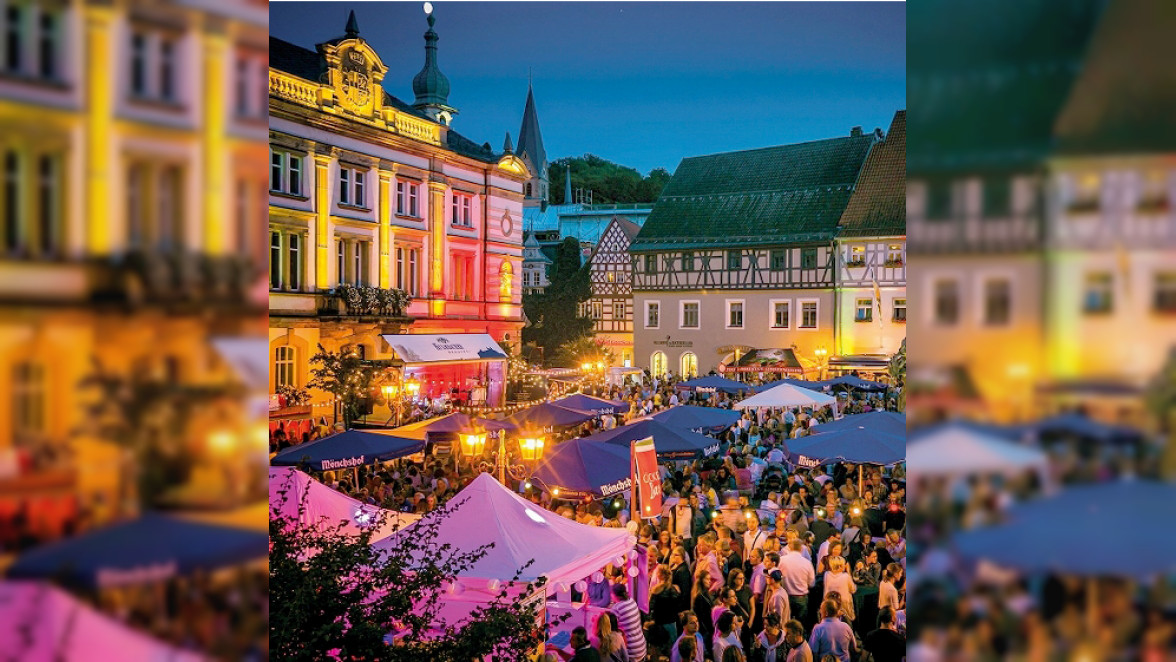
{"x": 646, "y": 478}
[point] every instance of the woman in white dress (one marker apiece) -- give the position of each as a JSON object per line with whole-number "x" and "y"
{"x": 837, "y": 579}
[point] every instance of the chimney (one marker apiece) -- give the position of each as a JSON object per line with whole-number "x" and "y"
{"x": 855, "y": 132}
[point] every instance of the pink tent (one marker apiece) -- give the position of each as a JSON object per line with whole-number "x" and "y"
{"x": 325, "y": 506}
{"x": 39, "y": 621}
{"x": 564, "y": 551}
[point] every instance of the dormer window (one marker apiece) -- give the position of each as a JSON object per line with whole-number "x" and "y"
{"x": 1154, "y": 193}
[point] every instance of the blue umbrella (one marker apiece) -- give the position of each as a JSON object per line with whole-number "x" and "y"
{"x": 860, "y": 445}
{"x": 348, "y": 449}
{"x": 548, "y": 415}
{"x": 857, "y": 383}
{"x": 593, "y": 404}
{"x": 670, "y": 443}
{"x": 882, "y": 421}
{"x": 691, "y": 417}
{"x": 1112, "y": 529}
{"x": 714, "y": 382}
{"x": 580, "y": 467}
{"x": 153, "y": 547}
{"x": 1077, "y": 425}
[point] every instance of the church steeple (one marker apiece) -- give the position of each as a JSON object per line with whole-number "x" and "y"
{"x": 430, "y": 85}
{"x": 530, "y": 150}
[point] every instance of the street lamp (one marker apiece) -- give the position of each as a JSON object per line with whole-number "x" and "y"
{"x": 531, "y": 446}
{"x": 821, "y": 353}
{"x": 474, "y": 442}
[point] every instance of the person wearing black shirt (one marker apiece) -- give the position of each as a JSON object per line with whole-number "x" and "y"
{"x": 885, "y": 643}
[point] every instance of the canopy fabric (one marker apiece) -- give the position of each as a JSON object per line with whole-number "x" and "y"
{"x": 810, "y": 385}
{"x": 562, "y": 550}
{"x": 849, "y": 381}
{"x": 448, "y": 348}
{"x": 579, "y": 467}
{"x": 548, "y": 415}
{"x": 776, "y": 360}
{"x": 348, "y": 449}
{"x": 39, "y": 621}
{"x": 1092, "y": 530}
{"x": 786, "y": 395}
{"x": 861, "y": 445}
{"x": 714, "y": 383}
{"x": 248, "y": 357}
{"x": 884, "y": 421}
{"x": 585, "y": 402}
{"x": 455, "y": 422}
{"x": 153, "y": 547}
{"x": 1077, "y": 425}
{"x": 955, "y": 449}
{"x": 692, "y": 417}
{"x": 670, "y": 443}
{"x": 300, "y": 498}
{"x": 254, "y": 516}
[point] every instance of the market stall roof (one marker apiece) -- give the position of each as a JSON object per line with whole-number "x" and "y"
{"x": 351, "y": 448}
{"x": 594, "y": 404}
{"x": 885, "y": 421}
{"x": 786, "y": 395}
{"x": 860, "y": 445}
{"x": 248, "y": 357}
{"x": 669, "y": 442}
{"x": 1076, "y": 425}
{"x": 296, "y": 496}
{"x": 453, "y": 422}
{"x": 522, "y": 533}
{"x": 547, "y": 414}
{"x": 712, "y": 383}
{"x": 578, "y": 467}
{"x": 39, "y": 621}
{"x": 693, "y": 417}
{"x": 955, "y": 449}
{"x": 851, "y": 382}
{"x": 447, "y": 348}
{"x": 810, "y": 385}
{"x": 153, "y": 547}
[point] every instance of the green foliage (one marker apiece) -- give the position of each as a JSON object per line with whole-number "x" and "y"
{"x": 344, "y": 375}
{"x": 608, "y": 181}
{"x": 334, "y": 596}
{"x": 897, "y": 370}
{"x": 1161, "y": 400}
{"x": 581, "y": 350}
{"x": 554, "y": 314}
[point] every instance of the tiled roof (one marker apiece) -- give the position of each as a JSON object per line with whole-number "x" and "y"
{"x": 786, "y": 194}
{"x": 878, "y": 205}
{"x": 628, "y": 227}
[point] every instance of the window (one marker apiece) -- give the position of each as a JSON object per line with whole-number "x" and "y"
{"x": 689, "y": 315}
{"x": 997, "y": 301}
{"x": 734, "y": 314}
{"x": 154, "y": 65}
{"x": 12, "y": 201}
{"x": 1154, "y": 193}
{"x": 286, "y": 255}
{"x": 780, "y": 314}
{"x": 1084, "y": 199}
{"x": 414, "y": 272}
{"x": 900, "y": 310}
{"x": 463, "y": 277}
{"x": 650, "y": 264}
{"x": 294, "y": 262}
{"x": 808, "y": 258}
{"x": 359, "y": 262}
{"x": 505, "y": 282}
{"x": 407, "y": 198}
{"x": 136, "y": 214}
{"x": 344, "y": 186}
{"x": 285, "y": 172}
{"x": 461, "y": 207}
{"x": 48, "y": 203}
{"x": 1166, "y": 292}
{"x": 856, "y": 257}
{"x": 595, "y": 309}
{"x": 689, "y": 364}
{"x": 688, "y": 261}
{"x": 657, "y": 364}
{"x": 47, "y": 47}
{"x": 406, "y": 269}
{"x": 14, "y": 35}
{"x": 618, "y": 309}
{"x": 894, "y": 257}
{"x": 167, "y": 70}
{"x": 283, "y": 366}
{"x": 864, "y": 311}
{"x": 808, "y": 314}
{"x": 351, "y": 187}
{"x": 28, "y": 398}
{"x": 610, "y": 277}
{"x": 275, "y": 260}
{"x": 652, "y": 314}
{"x": 939, "y": 199}
{"x": 341, "y": 261}
{"x": 169, "y": 226}
{"x": 242, "y": 87}
{"x": 734, "y": 260}
{"x": 947, "y": 302}
{"x": 997, "y": 197}
{"x": 1098, "y": 296}
{"x": 777, "y": 259}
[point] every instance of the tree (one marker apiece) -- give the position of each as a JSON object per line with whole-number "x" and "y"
{"x": 581, "y": 350}
{"x": 897, "y": 370}
{"x": 608, "y": 181}
{"x": 1161, "y": 400}
{"x": 555, "y": 313}
{"x": 334, "y": 596}
{"x": 346, "y": 376}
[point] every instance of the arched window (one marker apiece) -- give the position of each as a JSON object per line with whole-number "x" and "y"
{"x": 657, "y": 364}
{"x": 283, "y": 366}
{"x": 689, "y": 365}
{"x": 28, "y": 398}
{"x": 527, "y": 189}
{"x": 505, "y": 282}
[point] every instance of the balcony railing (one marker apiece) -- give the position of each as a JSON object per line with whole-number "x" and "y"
{"x": 368, "y": 301}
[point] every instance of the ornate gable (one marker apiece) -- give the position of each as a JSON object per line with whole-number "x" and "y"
{"x": 355, "y": 75}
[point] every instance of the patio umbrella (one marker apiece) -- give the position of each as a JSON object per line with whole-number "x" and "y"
{"x": 786, "y": 395}
{"x": 955, "y": 449}
{"x": 580, "y": 467}
{"x": 455, "y": 422}
{"x": 594, "y": 404}
{"x": 153, "y": 547}
{"x": 347, "y": 450}
{"x": 1077, "y": 425}
{"x": 548, "y": 415}
{"x": 691, "y": 417}
{"x": 716, "y": 383}
{"x": 812, "y": 386}
{"x": 849, "y": 381}
{"x": 860, "y": 445}
{"x": 670, "y": 443}
{"x": 885, "y": 421}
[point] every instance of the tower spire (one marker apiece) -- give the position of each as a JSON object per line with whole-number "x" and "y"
{"x": 430, "y": 85}
{"x": 352, "y": 26}
{"x": 507, "y": 146}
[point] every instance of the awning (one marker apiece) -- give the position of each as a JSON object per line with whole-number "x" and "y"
{"x": 779, "y": 361}
{"x": 448, "y": 348}
{"x": 871, "y": 362}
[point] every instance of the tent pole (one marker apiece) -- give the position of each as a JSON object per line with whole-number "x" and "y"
{"x": 859, "y": 481}
{"x": 1092, "y": 606}
{"x": 355, "y": 477}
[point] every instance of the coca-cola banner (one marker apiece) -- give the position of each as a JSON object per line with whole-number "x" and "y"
{"x": 646, "y": 478}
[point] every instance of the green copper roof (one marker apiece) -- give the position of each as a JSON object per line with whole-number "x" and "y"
{"x": 775, "y": 195}
{"x": 430, "y": 85}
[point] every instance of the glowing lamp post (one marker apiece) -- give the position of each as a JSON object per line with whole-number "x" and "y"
{"x": 821, "y": 353}
{"x": 531, "y": 446}
{"x": 474, "y": 443}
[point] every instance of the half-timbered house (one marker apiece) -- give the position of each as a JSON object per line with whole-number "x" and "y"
{"x": 738, "y": 254}
{"x": 611, "y": 305}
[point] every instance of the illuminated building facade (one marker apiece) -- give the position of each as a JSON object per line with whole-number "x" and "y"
{"x": 611, "y": 306}
{"x": 371, "y": 197}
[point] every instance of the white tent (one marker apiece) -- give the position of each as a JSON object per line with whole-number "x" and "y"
{"x": 955, "y": 450}
{"x": 786, "y": 395}
{"x": 39, "y": 621}
{"x": 325, "y": 507}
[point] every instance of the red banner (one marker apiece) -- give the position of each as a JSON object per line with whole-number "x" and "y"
{"x": 647, "y": 497}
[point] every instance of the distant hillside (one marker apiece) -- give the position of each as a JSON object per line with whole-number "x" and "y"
{"x": 608, "y": 181}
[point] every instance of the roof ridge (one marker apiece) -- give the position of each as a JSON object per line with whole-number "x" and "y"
{"x": 771, "y": 147}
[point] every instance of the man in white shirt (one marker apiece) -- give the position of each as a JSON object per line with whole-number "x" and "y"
{"x": 753, "y": 537}
{"x": 799, "y": 577}
{"x": 775, "y": 456}
{"x": 674, "y": 399}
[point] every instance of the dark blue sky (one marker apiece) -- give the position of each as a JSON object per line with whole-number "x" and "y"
{"x": 641, "y": 84}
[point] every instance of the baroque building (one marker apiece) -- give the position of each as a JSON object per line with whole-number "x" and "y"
{"x": 384, "y": 220}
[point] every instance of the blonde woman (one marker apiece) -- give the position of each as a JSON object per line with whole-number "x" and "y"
{"x": 837, "y": 579}
{"x": 609, "y": 643}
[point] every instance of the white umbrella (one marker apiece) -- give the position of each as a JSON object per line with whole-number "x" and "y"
{"x": 786, "y": 395}
{"x": 957, "y": 450}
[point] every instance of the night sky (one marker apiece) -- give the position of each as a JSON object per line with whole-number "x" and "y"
{"x": 641, "y": 84}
